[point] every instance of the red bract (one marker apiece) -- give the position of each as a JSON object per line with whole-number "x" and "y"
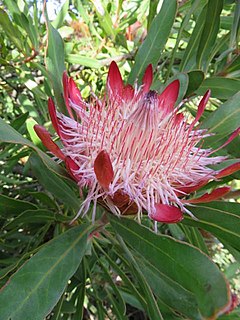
{"x": 133, "y": 150}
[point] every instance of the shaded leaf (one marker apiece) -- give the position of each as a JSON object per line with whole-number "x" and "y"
{"x": 220, "y": 218}
{"x": 11, "y": 207}
{"x": 210, "y": 31}
{"x": 179, "y": 261}
{"x": 221, "y": 88}
{"x": 55, "y": 185}
{"x": 41, "y": 281}
{"x": 10, "y": 135}
{"x": 223, "y": 121}
{"x": 196, "y": 78}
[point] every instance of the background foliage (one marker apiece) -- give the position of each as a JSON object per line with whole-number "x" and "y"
{"x": 116, "y": 270}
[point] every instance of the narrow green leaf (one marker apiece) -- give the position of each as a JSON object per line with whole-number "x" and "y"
{"x": 152, "y": 12}
{"x": 104, "y": 19}
{"x": 221, "y": 88}
{"x": 223, "y": 121}
{"x": 150, "y": 50}
{"x": 11, "y": 30}
{"x": 83, "y": 60}
{"x": 189, "y": 56}
{"x": 152, "y": 307}
{"x": 81, "y": 291}
{"x": 210, "y": 31}
{"x": 220, "y": 218}
{"x": 170, "y": 292}
{"x": 196, "y": 78}
{"x": 55, "y": 64}
{"x": 234, "y": 65}
{"x": 119, "y": 302}
{"x": 11, "y": 207}
{"x": 40, "y": 282}
{"x": 10, "y": 135}
{"x": 195, "y": 238}
{"x": 123, "y": 276}
{"x": 53, "y": 183}
{"x": 235, "y": 27}
{"x": 20, "y": 121}
{"x": 179, "y": 261}
{"x": 184, "y": 24}
{"x": 58, "y": 21}
{"x": 39, "y": 216}
{"x": 24, "y": 20}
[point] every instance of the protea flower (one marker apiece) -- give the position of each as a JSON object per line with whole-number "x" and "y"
{"x": 133, "y": 150}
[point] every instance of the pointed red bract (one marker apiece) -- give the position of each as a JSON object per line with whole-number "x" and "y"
{"x": 147, "y": 79}
{"x": 74, "y": 93}
{"x": 189, "y": 189}
{"x": 114, "y": 81}
{"x": 166, "y": 214}
{"x": 201, "y": 108}
{"x": 168, "y": 97}
{"x": 65, "y": 81}
{"x": 103, "y": 169}
{"x": 208, "y": 197}
{"x": 44, "y": 135}
{"x": 230, "y": 139}
{"x": 128, "y": 93}
{"x": 72, "y": 167}
{"x": 53, "y": 115}
{"x": 229, "y": 170}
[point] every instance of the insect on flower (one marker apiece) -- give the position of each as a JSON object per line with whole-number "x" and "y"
{"x": 133, "y": 150}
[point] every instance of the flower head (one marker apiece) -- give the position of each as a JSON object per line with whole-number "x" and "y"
{"x": 133, "y": 150}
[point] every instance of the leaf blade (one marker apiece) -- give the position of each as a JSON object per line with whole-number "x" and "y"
{"x": 150, "y": 50}
{"x": 187, "y": 272}
{"x": 34, "y": 280}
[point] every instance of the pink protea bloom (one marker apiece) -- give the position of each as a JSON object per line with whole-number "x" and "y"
{"x": 133, "y": 150}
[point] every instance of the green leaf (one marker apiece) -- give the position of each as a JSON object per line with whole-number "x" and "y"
{"x": 11, "y": 30}
{"x": 209, "y": 33}
{"x": 39, "y": 216}
{"x": 235, "y": 27}
{"x": 150, "y": 50}
{"x": 152, "y": 12}
{"x": 58, "y": 21}
{"x": 151, "y": 305}
{"x": 40, "y": 282}
{"x": 234, "y": 65}
{"x": 169, "y": 292}
{"x": 104, "y": 19}
{"x": 10, "y": 135}
{"x": 11, "y": 207}
{"x": 221, "y": 88}
{"x": 179, "y": 261}
{"x": 81, "y": 291}
{"x": 196, "y": 78}
{"x": 223, "y": 121}
{"x": 83, "y": 60}
{"x": 189, "y": 56}
{"x": 55, "y": 64}
{"x": 220, "y": 218}
{"x": 195, "y": 238}
{"x": 55, "y": 185}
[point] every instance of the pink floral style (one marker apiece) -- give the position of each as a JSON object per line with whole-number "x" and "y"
{"x": 133, "y": 150}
